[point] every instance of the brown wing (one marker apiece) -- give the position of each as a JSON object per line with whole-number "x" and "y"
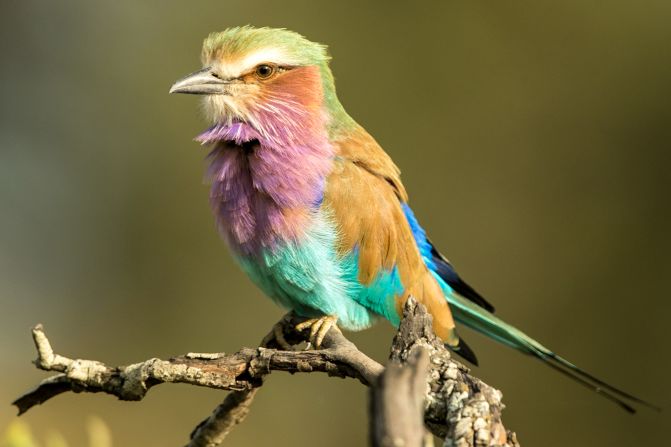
{"x": 365, "y": 194}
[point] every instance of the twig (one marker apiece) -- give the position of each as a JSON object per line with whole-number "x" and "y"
{"x": 232, "y": 411}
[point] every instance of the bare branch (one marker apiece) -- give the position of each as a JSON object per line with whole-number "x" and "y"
{"x": 240, "y": 371}
{"x": 458, "y": 407}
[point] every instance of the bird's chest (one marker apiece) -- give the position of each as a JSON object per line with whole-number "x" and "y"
{"x": 308, "y": 276}
{"x": 259, "y": 198}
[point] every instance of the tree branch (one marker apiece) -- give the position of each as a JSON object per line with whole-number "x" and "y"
{"x": 458, "y": 407}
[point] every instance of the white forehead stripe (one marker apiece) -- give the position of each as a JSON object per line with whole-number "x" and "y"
{"x": 272, "y": 55}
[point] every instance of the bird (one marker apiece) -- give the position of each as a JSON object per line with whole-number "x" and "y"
{"x": 314, "y": 210}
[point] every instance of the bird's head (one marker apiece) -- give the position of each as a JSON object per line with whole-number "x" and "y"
{"x": 266, "y": 78}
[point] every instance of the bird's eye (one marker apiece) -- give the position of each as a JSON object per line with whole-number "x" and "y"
{"x": 264, "y": 71}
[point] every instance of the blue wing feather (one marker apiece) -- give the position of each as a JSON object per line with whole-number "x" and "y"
{"x": 440, "y": 265}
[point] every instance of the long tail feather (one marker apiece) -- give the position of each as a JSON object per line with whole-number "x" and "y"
{"x": 628, "y": 408}
{"x": 488, "y": 324}
{"x": 598, "y": 384}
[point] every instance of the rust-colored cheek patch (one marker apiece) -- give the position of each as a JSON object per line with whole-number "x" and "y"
{"x": 301, "y": 85}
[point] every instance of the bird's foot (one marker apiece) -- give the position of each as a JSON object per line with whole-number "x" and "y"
{"x": 319, "y": 327}
{"x": 276, "y": 335}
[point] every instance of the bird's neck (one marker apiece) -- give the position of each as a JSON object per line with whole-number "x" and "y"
{"x": 265, "y": 188}
{"x": 338, "y": 122}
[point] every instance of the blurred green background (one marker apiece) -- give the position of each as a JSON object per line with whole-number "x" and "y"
{"x": 534, "y": 141}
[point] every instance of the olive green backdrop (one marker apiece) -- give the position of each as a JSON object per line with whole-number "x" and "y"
{"x": 534, "y": 141}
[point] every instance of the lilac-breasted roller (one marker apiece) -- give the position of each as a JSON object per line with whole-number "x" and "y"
{"x": 314, "y": 210}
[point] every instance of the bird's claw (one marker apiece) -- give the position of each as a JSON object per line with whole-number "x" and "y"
{"x": 277, "y": 334}
{"x": 319, "y": 327}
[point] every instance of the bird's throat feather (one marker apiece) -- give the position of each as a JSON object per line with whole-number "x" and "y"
{"x": 268, "y": 173}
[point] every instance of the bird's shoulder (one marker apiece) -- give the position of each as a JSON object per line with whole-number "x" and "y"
{"x": 360, "y": 149}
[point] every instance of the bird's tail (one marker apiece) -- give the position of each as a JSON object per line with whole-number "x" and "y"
{"x": 483, "y": 321}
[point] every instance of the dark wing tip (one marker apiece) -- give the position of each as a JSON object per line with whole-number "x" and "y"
{"x": 465, "y": 352}
{"x": 463, "y": 289}
{"x": 445, "y": 270}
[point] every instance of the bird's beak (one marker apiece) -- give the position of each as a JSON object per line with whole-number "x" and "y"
{"x": 201, "y": 82}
